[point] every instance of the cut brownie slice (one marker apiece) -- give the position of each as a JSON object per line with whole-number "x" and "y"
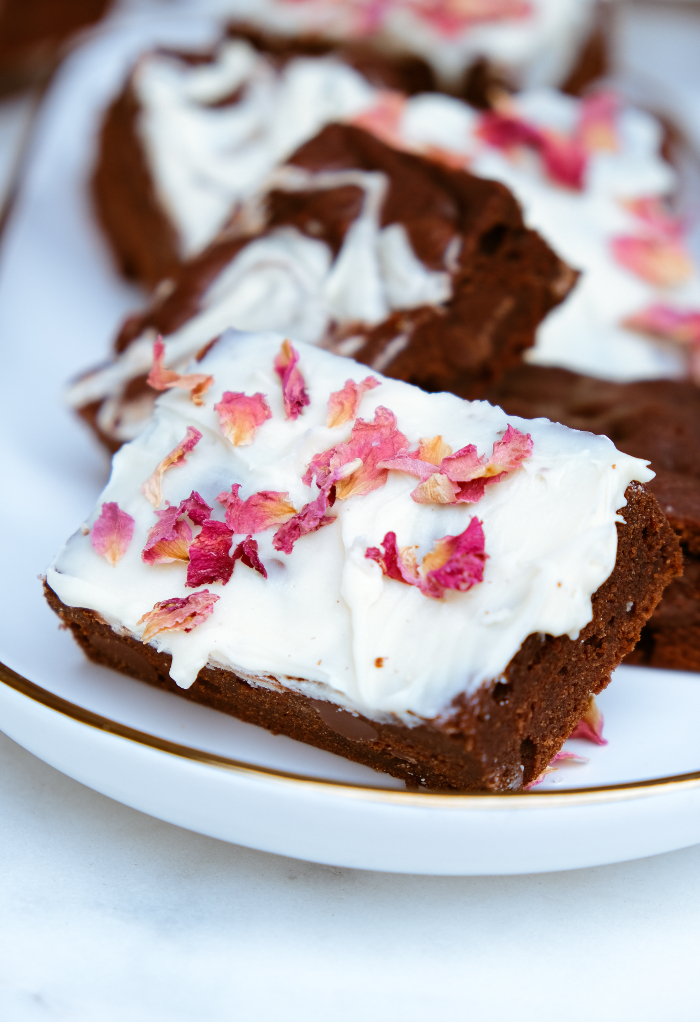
{"x": 654, "y": 419}
{"x": 423, "y": 272}
{"x": 407, "y": 579}
{"x": 192, "y": 134}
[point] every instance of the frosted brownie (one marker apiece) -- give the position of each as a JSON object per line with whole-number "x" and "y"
{"x": 415, "y": 582}
{"x": 654, "y": 419}
{"x": 422, "y": 271}
{"x": 191, "y": 135}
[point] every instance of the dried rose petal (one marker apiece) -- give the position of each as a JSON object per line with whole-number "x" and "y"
{"x": 667, "y": 323}
{"x": 590, "y": 727}
{"x": 371, "y": 442}
{"x": 564, "y": 158}
{"x": 168, "y": 540}
{"x": 344, "y": 404}
{"x": 178, "y": 614}
{"x": 559, "y": 757}
{"x": 112, "y": 532}
{"x": 240, "y": 415}
{"x": 433, "y": 449}
{"x": 655, "y": 216}
{"x": 437, "y": 489}
{"x": 597, "y": 122}
{"x": 247, "y": 550}
{"x": 210, "y": 557}
{"x": 151, "y": 489}
{"x": 452, "y": 17}
{"x": 257, "y": 513}
{"x": 293, "y": 386}
{"x": 311, "y": 518}
{"x": 659, "y": 260}
{"x": 196, "y": 507}
{"x": 455, "y": 562}
{"x": 161, "y": 378}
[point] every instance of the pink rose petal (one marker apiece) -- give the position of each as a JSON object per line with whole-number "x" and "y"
{"x": 247, "y": 551}
{"x": 662, "y": 261}
{"x": 196, "y": 507}
{"x": 455, "y": 562}
{"x": 559, "y": 757}
{"x": 210, "y": 555}
{"x": 344, "y": 404}
{"x": 112, "y": 532}
{"x": 151, "y": 489}
{"x": 293, "y": 386}
{"x": 161, "y": 378}
{"x": 178, "y": 614}
{"x": 564, "y": 158}
{"x": 311, "y": 518}
{"x": 655, "y": 216}
{"x": 590, "y": 727}
{"x": 383, "y": 118}
{"x": 257, "y": 513}
{"x": 453, "y": 17}
{"x": 667, "y": 323}
{"x": 240, "y": 415}
{"x": 597, "y": 122}
{"x": 168, "y": 540}
{"x": 371, "y": 443}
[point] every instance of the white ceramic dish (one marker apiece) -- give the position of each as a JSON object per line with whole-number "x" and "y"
{"x": 59, "y": 304}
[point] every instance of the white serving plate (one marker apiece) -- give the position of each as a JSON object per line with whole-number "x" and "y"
{"x": 59, "y": 304}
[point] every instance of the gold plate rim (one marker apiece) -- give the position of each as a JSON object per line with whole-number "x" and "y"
{"x": 427, "y": 799}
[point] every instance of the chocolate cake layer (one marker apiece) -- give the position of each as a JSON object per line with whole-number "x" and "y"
{"x": 501, "y": 737}
{"x": 658, "y": 420}
{"x": 504, "y": 277}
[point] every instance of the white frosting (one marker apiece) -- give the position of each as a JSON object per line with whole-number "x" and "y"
{"x": 205, "y": 159}
{"x": 326, "y": 613}
{"x": 536, "y": 49}
{"x": 289, "y": 282}
{"x": 583, "y": 333}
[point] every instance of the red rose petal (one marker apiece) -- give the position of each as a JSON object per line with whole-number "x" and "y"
{"x": 168, "y": 540}
{"x": 112, "y": 532}
{"x": 590, "y": 727}
{"x": 311, "y": 518}
{"x": 196, "y": 507}
{"x": 370, "y": 442}
{"x": 151, "y": 489}
{"x": 240, "y": 415}
{"x": 293, "y": 386}
{"x": 455, "y": 562}
{"x": 178, "y": 614}
{"x": 257, "y": 513}
{"x": 247, "y": 550}
{"x": 344, "y": 404}
{"x": 161, "y": 378}
{"x": 210, "y": 555}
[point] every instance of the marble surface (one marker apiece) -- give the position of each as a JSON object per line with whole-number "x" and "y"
{"x": 106, "y": 914}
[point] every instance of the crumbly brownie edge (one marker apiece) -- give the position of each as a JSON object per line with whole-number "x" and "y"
{"x": 499, "y": 738}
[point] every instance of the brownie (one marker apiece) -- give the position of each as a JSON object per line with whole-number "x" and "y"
{"x": 504, "y": 277}
{"x": 500, "y": 738}
{"x": 658, "y": 420}
{"x": 142, "y": 236}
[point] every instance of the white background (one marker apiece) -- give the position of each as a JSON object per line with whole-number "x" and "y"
{"x": 108, "y": 914}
